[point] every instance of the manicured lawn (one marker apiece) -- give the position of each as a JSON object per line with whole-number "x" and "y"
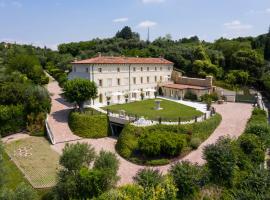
{"x": 13, "y": 176}
{"x": 171, "y": 110}
{"x": 38, "y": 162}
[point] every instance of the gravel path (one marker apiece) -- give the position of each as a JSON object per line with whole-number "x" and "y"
{"x": 234, "y": 119}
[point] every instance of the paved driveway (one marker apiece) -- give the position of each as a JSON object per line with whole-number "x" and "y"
{"x": 234, "y": 119}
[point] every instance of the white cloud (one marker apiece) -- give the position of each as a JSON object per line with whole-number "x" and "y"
{"x": 261, "y": 12}
{"x": 16, "y": 4}
{"x": 147, "y": 24}
{"x": 237, "y": 26}
{"x": 119, "y": 20}
{"x": 152, "y": 1}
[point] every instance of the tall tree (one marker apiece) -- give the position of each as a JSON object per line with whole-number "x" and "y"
{"x": 267, "y": 46}
{"x": 80, "y": 90}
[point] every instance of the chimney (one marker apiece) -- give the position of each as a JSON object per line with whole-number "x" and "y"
{"x": 99, "y": 54}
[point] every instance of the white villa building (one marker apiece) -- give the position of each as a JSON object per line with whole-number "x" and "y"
{"x": 117, "y": 77}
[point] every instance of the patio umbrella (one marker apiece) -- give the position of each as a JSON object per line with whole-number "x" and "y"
{"x": 150, "y": 90}
{"x": 117, "y": 93}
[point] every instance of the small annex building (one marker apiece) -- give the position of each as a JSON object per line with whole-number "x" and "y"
{"x": 180, "y": 85}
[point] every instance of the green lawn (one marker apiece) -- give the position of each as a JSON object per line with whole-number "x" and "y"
{"x": 171, "y": 110}
{"x": 13, "y": 176}
{"x": 39, "y": 164}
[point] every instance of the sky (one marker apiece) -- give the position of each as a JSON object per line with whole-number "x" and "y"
{"x": 51, "y": 22}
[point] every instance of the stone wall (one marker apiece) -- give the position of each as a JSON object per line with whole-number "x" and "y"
{"x": 179, "y": 79}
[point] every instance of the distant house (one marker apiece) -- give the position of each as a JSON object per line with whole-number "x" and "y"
{"x": 119, "y": 77}
{"x": 180, "y": 85}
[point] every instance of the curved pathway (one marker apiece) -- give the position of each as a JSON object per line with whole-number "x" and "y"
{"x": 234, "y": 119}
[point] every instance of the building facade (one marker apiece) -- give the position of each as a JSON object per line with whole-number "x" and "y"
{"x": 120, "y": 78}
{"x": 181, "y": 85}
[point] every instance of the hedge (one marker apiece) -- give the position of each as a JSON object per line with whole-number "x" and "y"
{"x": 12, "y": 119}
{"x": 128, "y": 141}
{"x": 162, "y": 143}
{"x": 89, "y": 126}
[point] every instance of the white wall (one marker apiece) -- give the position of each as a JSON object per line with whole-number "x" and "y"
{"x": 110, "y": 72}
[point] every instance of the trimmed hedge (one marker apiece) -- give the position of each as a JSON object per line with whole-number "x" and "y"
{"x": 162, "y": 143}
{"x": 12, "y": 119}
{"x": 128, "y": 141}
{"x": 89, "y": 126}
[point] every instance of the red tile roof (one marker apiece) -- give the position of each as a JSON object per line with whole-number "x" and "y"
{"x": 182, "y": 87}
{"x": 122, "y": 60}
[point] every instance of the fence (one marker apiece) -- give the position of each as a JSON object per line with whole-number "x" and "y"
{"x": 49, "y": 131}
{"x": 245, "y": 98}
{"x": 133, "y": 118}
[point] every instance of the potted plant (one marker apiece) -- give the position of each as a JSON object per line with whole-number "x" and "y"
{"x": 108, "y": 100}
{"x": 142, "y": 95}
{"x": 126, "y": 97}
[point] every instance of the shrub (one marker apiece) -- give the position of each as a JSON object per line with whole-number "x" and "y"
{"x": 148, "y": 178}
{"x": 109, "y": 164}
{"x": 158, "y": 162}
{"x": 187, "y": 178}
{"x": 77, "y": 155}
{"x": 162, "y": 143}
{"x": 221, "y": 161}
{"x": 258, "y": 129}
{"x": 190, "y": 96}
{"x": 195, "y": 143}
{"x": 128, "y": 142}
{"x": 107, "y": 161}
{"x": 12, "y": 119}
{"x": 212, "y": 97}
{"x": 89, "y": 126}
{"x": 249, "y": 142}
{"x": 134, "y": 192}
{"x": 35, "y": 123}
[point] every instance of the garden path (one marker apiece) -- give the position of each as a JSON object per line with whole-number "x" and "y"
{"x": 234, "y": 119}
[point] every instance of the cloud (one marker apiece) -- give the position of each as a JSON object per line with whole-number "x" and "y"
{"x": 146, "y": 24}
{"x": 152, "y": 1}
{"x": 237, "y": 26}
{"x": 261, "y": 12}
{"x": 16, "y": 4}
{"x": 119, "y": 20}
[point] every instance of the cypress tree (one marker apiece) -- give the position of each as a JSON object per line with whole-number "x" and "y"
{"x": 267, "y": 46}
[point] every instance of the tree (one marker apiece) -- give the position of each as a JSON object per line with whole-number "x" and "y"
{"x": 250, "y": 61}
{"x": 75, "y": 156}
{"x": 2, "y": 171}
{"x": 108, "y": 163}
{"x": 92, "y": 183}
{"x": 80, "y": 90}
{"x": 148, "y": 178}
{"x": 267, "y": 48}
{"x": 30, "y": 66}
{"x": 126, "y": 33}
{"x": 23, "y": 192}
{"x": 188, "y": 178}
{"x": 221, "y": 161}
{"x": 237, "y": 77}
